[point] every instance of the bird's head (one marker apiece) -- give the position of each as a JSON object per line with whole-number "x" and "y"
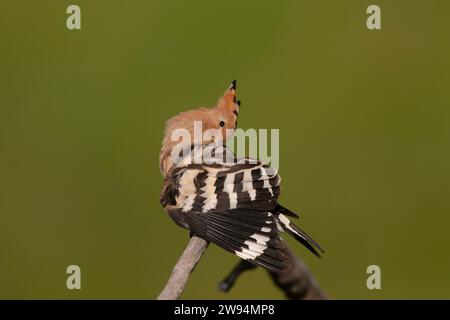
{"x": 216, "y": 124}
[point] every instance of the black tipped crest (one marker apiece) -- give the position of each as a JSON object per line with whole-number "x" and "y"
{"x": 233, "y": 84}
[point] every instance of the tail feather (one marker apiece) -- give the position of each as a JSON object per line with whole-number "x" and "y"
{"x": 300, "y": 235}
{"x": 279, "y": 208}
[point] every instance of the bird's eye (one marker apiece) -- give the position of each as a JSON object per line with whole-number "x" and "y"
{"x": 222, "y": 123}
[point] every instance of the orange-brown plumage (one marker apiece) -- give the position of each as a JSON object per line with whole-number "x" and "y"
{"x": 225, "y": 111}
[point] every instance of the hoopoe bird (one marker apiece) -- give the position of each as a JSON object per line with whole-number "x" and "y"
{"x": 233, "y": 204}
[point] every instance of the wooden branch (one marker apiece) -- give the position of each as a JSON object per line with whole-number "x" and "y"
{"x": 297, "y": 282}
{"x": 226, "y": 284}
{"x": 183, "y": 268}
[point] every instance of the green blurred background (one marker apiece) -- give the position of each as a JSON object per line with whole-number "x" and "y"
{"x": 364, "y": 119}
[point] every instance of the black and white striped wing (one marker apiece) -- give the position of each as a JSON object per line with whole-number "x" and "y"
{"x": 250, "y": 234}
{"x": 232, "y": 207}
{"x": 241, "y": 186}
